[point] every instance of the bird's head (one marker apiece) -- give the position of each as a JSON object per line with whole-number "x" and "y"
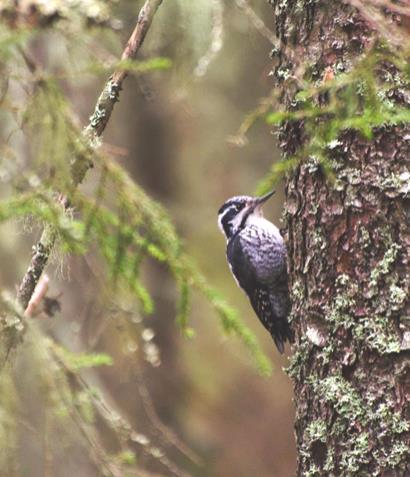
{"x": 235, "y": 212}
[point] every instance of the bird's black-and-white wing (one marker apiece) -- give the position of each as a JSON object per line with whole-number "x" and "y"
{"x": 268, "y": 294}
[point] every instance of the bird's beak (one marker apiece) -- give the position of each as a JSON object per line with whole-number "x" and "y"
{"x": 258, "y": 201}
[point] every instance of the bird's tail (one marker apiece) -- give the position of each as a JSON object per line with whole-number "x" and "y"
{"x": 282, "y": 333}
{"x": 280, "y": 344}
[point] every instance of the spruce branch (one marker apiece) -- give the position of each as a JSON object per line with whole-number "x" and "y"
{"x": 98, "y": 122}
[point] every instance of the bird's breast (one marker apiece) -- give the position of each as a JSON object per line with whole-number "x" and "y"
{"x": 260, "y": 227}
{"x": 264, "y": 251}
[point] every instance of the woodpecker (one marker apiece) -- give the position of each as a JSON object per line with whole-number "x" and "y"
{"x": 256, "y": 255}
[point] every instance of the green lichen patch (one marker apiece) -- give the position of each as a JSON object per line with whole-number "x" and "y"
{"x": 297, "y": 292}
{"x": 298, "y": 359}
{"x": 340, "y": 310}
{"x": 378, "y": 333}
{"x": 316, "y": 431}
{"x": 364, "y": 238}
{"x": 396, "y": 183}
{"x": 358, "y": 456}
{"x": 397, "y": 296}
{"x": 356, "y": 416}
{"x": 384, "y": 265}
{"x": 375, "y": 331}
{"x": 344, "y": 398}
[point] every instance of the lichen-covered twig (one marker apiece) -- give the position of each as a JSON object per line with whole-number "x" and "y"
{"x": 98, "y": 122}
{"x": 110, "y": 93}
{"x": 39, "y": 259}
{"x": 38, "y": 297}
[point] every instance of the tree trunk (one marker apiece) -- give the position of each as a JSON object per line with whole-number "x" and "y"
{"x": 348, "y": 245}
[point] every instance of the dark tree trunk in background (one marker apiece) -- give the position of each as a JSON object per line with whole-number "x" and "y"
{"x": 348, "y": 262}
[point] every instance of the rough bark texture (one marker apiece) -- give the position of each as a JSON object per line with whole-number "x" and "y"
{"x": 348, "y": 248}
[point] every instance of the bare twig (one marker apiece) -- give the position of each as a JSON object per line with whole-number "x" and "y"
{"x": 39, "y": 259}
{"x": 98, "y": 122}
{"x": 164, "y": 430}
{"x": 258, "y": 23}
{"x": 30, "y": 63}
{"x": 216, "y": 39}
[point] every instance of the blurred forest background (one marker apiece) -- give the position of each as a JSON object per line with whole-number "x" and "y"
{"x": 192, "y": 406}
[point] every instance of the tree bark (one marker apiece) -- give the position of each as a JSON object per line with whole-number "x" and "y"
{"x": 348, "y": 245}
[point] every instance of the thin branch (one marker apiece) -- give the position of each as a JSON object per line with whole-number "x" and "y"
{"x": 98, "y": 122}
{"x": 110, "y": 93}
{"x": 217, "y": 34}
{"x": 98, "y": 453}
{"x": 163, "y": 430}
{"x": 39, "y": 259}
{"x": 258, "y": 23}
{"x": 30, "y": 63}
